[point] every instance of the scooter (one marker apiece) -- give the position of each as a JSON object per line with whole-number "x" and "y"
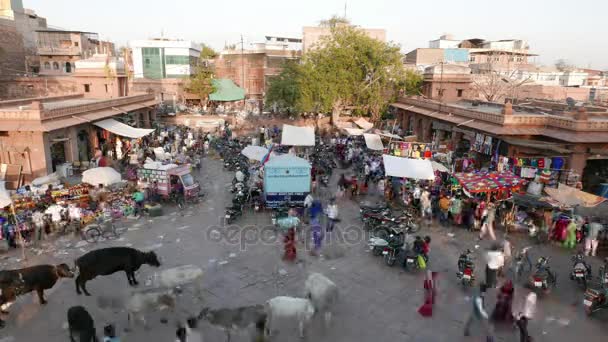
{"x": 543, "y": 278}
{"x": 466, "y": 269}
{"x": 232, "y": 213}
{"x": 595, "y": 300}
{"x": 390, "y": 252}
{"x": 581, "y": 271}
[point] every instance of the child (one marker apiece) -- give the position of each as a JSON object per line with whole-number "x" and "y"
{"x": 109, "y": 334}
{"x": 426, "y": 247}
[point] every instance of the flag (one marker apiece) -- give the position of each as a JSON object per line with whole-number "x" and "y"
{"x": 267, "y": 156}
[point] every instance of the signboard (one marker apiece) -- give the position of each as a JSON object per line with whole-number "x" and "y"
{"x": 277, "y": 199}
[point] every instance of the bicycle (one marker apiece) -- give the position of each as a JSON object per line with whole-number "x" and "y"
{"x": 103, "y": 226}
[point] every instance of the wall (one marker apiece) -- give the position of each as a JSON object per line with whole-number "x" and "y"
{"x": 166, "y": 90}
{"x": 456, "y": 55}
{"x": 26, "y": 149}
{"x": 548, "y": 92}
{"x": 24, "y": 87}
{"x": 12, "y": 50}
{"x": 311, "y": 35}
{"x": 425, "y": 56}
{"x": 231, "y": 66}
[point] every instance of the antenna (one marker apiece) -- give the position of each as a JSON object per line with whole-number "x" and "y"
{"x": 345, "y": 4}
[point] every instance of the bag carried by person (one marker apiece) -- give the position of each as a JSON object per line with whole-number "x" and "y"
{"x": 421, "y": 262}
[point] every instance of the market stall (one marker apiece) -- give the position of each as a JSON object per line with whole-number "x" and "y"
{"x": 255, "y": 152}
{"x": 501, "y": 184}
{"x": 366, "y": 125}
{"x": 373, "y": 142}
{"x": 574, "y": 197}
{"x": 101, "y": 175}
{"x": 287, "y": 179}
{"x": 408, "y": 168}
{"x": 298, "y": 136}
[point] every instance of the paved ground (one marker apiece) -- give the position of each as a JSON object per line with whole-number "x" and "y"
{"x": 377, "y": 303}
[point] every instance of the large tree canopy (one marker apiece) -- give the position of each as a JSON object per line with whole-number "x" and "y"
{"x": 347, "y": 69}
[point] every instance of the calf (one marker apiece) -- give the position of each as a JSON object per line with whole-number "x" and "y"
{"x": 299, "y": 309}
{"x": 39, "y": 278}
{"x": 148, "y": 300}
{"x": 322, "y": 292}
{"x": 106, "y": 261}
{"x": 236, "y": 318}
{"x": 81, "y": 323}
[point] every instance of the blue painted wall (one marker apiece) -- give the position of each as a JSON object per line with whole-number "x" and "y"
{"x": 456, "y": 55}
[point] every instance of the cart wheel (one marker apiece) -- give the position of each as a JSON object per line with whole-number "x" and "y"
{"x": 92, "y": 234}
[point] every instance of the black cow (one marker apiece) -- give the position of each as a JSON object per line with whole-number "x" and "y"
{"x": 39, "y": 278}
{"x": 106, "y": 261}
{"x": 81, "y": 323}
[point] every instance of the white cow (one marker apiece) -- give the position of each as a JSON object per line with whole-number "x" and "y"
{"x": 290, "y": 308}
{"x": 322, "y": 292}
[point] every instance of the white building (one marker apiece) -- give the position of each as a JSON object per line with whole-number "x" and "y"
{"x": 164, "y": 58}
{"x": 573, "y": 78}
{"x": 507, "y": 44}
{"x": 446, "y": 41}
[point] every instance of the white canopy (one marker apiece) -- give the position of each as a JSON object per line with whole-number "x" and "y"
{"x": 361, "y": 122}
{"x": 390, "y": 135}
{"x": 354, "y": 131}
{"x": 123, "y": 130}
{"x": 439, "y": 167}
{"x": 5, "y": 196}
{"x": 298, "y": 136}
{"x": 408, "y": 168}
{"x": 101, "y": 175}
{"x": 373, "y": 142}
{"x": 255, "y": 152}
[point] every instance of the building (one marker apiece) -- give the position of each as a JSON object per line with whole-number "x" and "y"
{"x": 579, "y": 136}
{"x": 41, "y": 133}
{"x": 58, "y": 50}
{"x": 164, "y": 58}
{"x": 446, "y": 82}
{"x": 311, "y": 35}
{"x": 424, "y": 57}
{"x": 252, "y": 69}
{"x": 18, "y": 38}
{"x": 101, "y": 76}
{"x": 446, "y": 41}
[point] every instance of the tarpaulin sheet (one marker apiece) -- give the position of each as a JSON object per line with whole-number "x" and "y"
{"x": 476, "y": 182}
{"x": 123, "y": 130}
{"x": 439, "y": 167}
{"x": 408, "y": 168}
{"x": 5, "y": 196}
{"x": 298, "y": 136}
{"x": 101, "y": 175}
{"x": 255, "y": 152}
{"x": 361, "y": 122}
{"x": 373, "y": 142}
{"x": 573, "y": 197}
{"x": 354, "y": 131}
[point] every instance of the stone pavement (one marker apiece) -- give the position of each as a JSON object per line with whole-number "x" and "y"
{"x": 377, "y": 303}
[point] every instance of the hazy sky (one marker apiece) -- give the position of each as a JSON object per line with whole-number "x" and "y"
{"x": 574, "y": 30}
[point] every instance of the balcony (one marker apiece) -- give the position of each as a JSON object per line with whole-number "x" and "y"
{"x": 57, "y": 51}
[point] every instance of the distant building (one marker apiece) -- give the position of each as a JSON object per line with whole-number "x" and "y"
{"x": 101, "y": 76}
{"x": 446, "y": 41}
{"x": 164, "y": 58}
{"x": 426, "y": 57}
{"x": 446, "y": 82}
{"x": 58, "y": 50}
{"x": 311, "y": 35}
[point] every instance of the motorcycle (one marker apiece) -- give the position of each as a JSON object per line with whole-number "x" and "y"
{"x": 521, "y": 261}
{"x": 603, "y": 274}
{"x": 595, "y": 300}
{"x": 581, "y": 271}
{"x": 279, "y": 213}
{"x": 232, "y": 213}
{"x": 543, "y": 278}
{"x": 390, "y": 252}
{"x": 466, "y": 268}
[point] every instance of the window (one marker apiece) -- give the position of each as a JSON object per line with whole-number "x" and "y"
{"x": 150, "y": 51}
{"x": 472, "y": 59}
{"x": 178, "y": 60}
{"x": 459, "y": 92}
{"x": 47, "y": 65}
{"x": 55, "y": 65}
{"x": 76, "y": 44}
{"x": 106, "y": 87}
{"x": 147, "y": 61}
{"x": 68, "y": 67}
{"x": 87, "y": 88}
{"x": 228, "y": 64}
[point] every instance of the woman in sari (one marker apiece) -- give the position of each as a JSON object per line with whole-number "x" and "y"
{"x": 430, "y": 292}
{"x": 504, "y": 303}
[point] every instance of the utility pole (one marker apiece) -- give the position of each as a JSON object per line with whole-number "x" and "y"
{"x": 243, "y": 64}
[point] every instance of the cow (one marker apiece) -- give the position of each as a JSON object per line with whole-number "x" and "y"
{"x": 106, "y": 261}
{"x": 38, "y": 278}
{"x": 233, "y": 319}
{"x": 323, "y": 294}
{"x": 300, "y": 310}
{"x": 81, "y": 323}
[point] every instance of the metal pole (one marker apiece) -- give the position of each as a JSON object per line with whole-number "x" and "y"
{"x": 242, "y": 64}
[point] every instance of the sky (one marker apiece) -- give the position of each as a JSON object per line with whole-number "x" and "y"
{"x": 572, "y": 30}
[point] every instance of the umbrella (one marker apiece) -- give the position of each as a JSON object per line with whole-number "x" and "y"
{"x": 255, "y": 152}
{"x": 5, "y": 197}
{"x": 439, "y": 167}
{"x": 101, "y": 175}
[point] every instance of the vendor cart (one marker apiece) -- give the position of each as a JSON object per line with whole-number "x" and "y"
{"x": 165, "y": 179}
{"x": 286, "y": 181}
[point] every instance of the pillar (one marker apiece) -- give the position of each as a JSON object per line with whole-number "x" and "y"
{"x": 578, "y": 159}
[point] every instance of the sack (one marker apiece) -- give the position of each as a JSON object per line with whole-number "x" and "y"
{"x": 421, "y": 262}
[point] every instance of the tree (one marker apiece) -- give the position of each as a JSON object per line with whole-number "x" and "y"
{"x": 207, "y": 52}
{"x": 200, "y": 83}
{"x": 350, "y": 69}
{"x": 563, "y": 65}
{"x": 334, "y": 21}
{"x": 494, "y": 82}
{"x": 284, "y": 90}
{"x": 412, "y": 83}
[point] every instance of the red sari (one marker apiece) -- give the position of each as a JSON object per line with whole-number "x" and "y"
{"x": 290, "y": 245}
{"x": 430, "y": 292}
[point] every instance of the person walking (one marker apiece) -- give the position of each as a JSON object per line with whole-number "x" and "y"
{"x": 570, "y": 242}
{"x": 456, "y": 210}
{"x": 591, "y": 241}
{"x": 494, "y": 261}
{"x": 444, "y": 207}
{"x": 503, "y": 311}
{"x": 485, "y": 217}
{"x": 527, "y": 313}
{"x": 425, "y": 205}
{"x": 479, "y": 314}
{"x": 332, "y": 215}
{"x": 317, "y": 236}
{"x": 430, "y": 292}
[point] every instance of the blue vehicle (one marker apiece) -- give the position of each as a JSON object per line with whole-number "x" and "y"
{"x": 287, "y": 180}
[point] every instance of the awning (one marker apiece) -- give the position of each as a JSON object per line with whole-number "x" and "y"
{"x": 298, "y": 136}
{"x": 123, "y": 130}
{"x": 439, "y": 167}
{"x": 255, "y": 152}
{"x": 361, "y": 122}
{"x": 5, "y": 196}
{"x": 408, "y": 168}
{"x": 573, "y": 197}
{"x": 541, "y": 145}
{"x": 373, "y": 142}
{"x": 354, "y": 131}
{"x": 390, "y": 135}
{"x": 226, "y": 90}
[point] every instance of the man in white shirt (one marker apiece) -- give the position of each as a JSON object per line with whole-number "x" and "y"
{"x": 495, "y": 259}
{"x": 332, "y": 214}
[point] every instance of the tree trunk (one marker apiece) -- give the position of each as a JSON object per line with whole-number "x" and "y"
{"x": 335, "y": 112}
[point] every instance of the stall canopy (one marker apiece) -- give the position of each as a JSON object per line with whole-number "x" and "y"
{"x": 298, "y": 136}
{"x": 408, "y": 168}
{"x": 373, "y": 142}
{"x": 390, "y": 135}
{"x": 573, "y": 197}
{"x": 255, "y": 152}
{"x": 123, "y": 130}
{"x": 354, "y": 131}
{"x": 101, "y": 175}
{"x": 5, "y": 197}
{"x": 226, "y": 91}
{"x": 476, "y": 182}
{"x": 366, "y": 125}
{"x": 439, "y": 167}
